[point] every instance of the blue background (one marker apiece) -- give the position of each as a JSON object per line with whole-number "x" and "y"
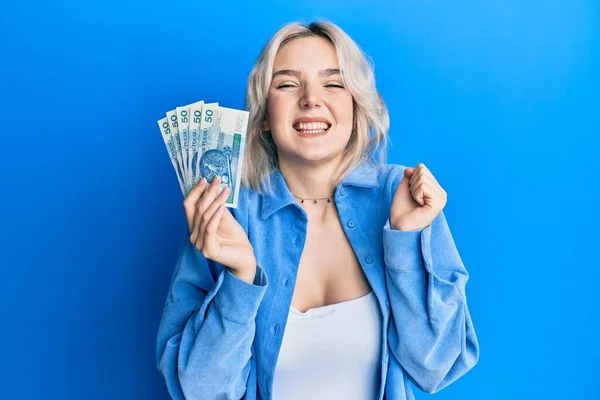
{"x": 499, "y": 99}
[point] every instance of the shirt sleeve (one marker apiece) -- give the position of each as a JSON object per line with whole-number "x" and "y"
{"x": 205, "y": 336}
{"x": 431, "y": 331}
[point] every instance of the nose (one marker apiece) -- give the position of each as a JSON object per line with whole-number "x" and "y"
{"x": 310, "y": 96}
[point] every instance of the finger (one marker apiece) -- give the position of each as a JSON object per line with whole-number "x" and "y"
{"x": 415, "y": 194}
{"x": 430, "y": 178}
{"x": 211, "y": 228}
{"x": 424, "y": 178}
{"x": 431, "y": 197}
{"x": 417, "y": 173}
{"x": 203, "y": 203}
{"x": 423, "y": 170}
{"x": 213, "y": 224}
{"x": 432, "y": 192}
{"x": 420, "y": 192}
{"x": 408, "y": 173}
{"x": 190, "y": 201}
{"x": 208, "y": 214}
{"x": 211, "y": 192}
{"x": 404, "y": 185}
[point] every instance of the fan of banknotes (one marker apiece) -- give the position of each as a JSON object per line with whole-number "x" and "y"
{"x": 205, "y": 140}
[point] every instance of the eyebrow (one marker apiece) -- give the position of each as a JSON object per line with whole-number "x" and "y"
{"x": 292, "y": 72}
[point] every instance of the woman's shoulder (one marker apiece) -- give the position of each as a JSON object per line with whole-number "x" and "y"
{"x": 392, "y": 170}
{"x": 389, "y": 175}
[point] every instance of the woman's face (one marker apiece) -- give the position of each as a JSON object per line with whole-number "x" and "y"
{"x": 309, "y": 108}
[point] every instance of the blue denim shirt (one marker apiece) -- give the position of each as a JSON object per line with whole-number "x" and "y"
{"x": 220, "y": 336}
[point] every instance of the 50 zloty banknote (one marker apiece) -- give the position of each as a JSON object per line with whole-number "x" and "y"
{"x": 205, "y": 140}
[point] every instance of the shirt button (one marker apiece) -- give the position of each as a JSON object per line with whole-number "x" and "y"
{"x": 351, "y": 224}
{"x": 387, "y": 303}
{"x": 342, "y": 192}
{"x": 369, "y": 259}
{"x": 274, "y": 329}
{"x": 284, "y": 282}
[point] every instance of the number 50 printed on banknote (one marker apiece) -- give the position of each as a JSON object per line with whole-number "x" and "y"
{"x": 204, "y": 140}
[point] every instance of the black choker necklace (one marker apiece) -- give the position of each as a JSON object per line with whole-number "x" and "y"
{"x": 315, "y": 200}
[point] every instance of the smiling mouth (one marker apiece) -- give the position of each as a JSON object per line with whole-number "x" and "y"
{"x": 311, "y": 127}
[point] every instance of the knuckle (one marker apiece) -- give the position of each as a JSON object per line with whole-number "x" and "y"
{"x": 188, "y": 204}
{"x": 206, "y": 253}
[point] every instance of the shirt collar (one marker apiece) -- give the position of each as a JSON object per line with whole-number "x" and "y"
{"x": 363, "y": 175}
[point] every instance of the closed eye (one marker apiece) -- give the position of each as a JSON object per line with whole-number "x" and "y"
{"x": 335, "y": 85}
{"x": 285, "y": 85}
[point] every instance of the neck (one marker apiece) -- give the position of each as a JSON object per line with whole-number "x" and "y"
{"x": 309, "y": 181}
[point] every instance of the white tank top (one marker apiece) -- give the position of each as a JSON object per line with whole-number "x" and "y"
{"x": 331, "y": 352}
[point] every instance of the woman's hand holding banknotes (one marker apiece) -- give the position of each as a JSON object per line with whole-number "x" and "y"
{"x": 215, "y": 232}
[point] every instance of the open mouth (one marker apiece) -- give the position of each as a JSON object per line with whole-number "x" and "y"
{"x": 312, "y": 128}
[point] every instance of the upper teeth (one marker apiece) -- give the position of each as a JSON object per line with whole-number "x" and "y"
{"x": 312, "y": 126}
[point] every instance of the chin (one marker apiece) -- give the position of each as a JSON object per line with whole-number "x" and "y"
{"x": 315, "y": 158}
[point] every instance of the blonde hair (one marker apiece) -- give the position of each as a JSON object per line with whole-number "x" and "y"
{"x": 371, "y": 120}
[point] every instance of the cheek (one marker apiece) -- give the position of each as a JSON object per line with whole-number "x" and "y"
{"x": 277, "y": 107}
{"x": 346, "y": 111}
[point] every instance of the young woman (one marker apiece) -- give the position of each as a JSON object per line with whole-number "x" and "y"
{"x": 337, "y": 276}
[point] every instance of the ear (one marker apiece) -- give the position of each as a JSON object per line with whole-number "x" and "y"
{"x": 266, "y": 124}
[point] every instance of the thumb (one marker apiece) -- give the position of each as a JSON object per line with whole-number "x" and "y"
{"x": 408, "y": 173}
{"x": 403, "y": 189}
